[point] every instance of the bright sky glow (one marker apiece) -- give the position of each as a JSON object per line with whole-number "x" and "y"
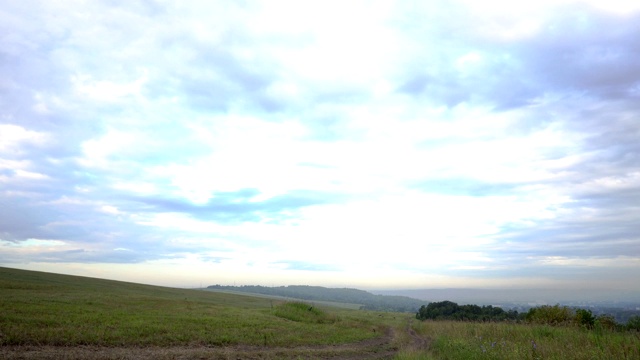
{"x": 370, "y": 144}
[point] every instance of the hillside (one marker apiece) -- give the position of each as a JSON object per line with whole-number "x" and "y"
{"x": 368, "y": 300}
{"x": 44, "y": 309}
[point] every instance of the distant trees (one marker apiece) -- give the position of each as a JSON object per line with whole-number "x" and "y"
{"x": 448, "y": 310}
{"x": 563, "y": 315}
{"x": 555, "y": 315}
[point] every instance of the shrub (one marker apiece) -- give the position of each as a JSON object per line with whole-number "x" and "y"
{"x": 550, "y": 315}
{"x": 634, "y": 323}
{"x": 606, "y": 322}
{"x": 585, "y": 318}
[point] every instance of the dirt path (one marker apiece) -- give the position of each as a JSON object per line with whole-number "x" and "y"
{"x": 381, "y": 347}
{"x": 377, "y": 348}
{"x": 418, "y": 342}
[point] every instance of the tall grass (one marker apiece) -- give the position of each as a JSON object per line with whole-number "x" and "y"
{"x": 460, "y": 340}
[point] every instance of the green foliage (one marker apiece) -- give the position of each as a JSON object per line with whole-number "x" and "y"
{"x": 607, "y": 322}
{"x": 448, "y": 310}
{"x": 585, "y": 318}
{"x": 550, "y": 315}
{"x": 633, "y": 323}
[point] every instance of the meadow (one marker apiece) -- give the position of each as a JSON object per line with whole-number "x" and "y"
{"x": 498, "y": 341}
{"x": 49, "y": 316}
{"x": 51, "y": 309}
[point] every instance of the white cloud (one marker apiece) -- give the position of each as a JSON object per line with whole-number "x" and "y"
{"x": 617, "y": 262}
{"x": 13, "y": 137}
{"x": 34, "y": 243}
{"x": 620, "y": 7}
{"x": 97, "y": 152}
{"x": 105, "y": 90}
{"x": 111, "y": 210}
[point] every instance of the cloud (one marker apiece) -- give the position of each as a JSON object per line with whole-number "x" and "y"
{"x": 441, "y": 142}
{"x": 237, "y": 206}
{"x": 566, "y": 52}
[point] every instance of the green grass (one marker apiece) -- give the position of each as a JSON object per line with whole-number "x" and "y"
{"x": 50, "y": 309}
{"x": 303, "y": 312}
{"x": 459, "y": 340}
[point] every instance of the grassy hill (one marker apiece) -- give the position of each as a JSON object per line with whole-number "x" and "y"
{"x": 39, "y": 308}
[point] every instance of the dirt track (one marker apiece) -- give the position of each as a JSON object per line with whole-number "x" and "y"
{"x": 379, "y": 348}
{"x": 417, "y": 342}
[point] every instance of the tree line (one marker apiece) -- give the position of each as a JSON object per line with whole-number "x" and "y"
{"x": 546, "y": 314}
{"x": 448, "y": 310}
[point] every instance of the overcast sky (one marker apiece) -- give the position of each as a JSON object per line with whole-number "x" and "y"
{"x": 369, "y": 144}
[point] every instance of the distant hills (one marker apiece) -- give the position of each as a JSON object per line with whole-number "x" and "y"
{"x": 367, "y": 300}
{"x": 621, "y": 305}
{"x": 578, "y": 297}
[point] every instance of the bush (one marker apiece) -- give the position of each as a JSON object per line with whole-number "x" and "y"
{"x": 634, "y": 323}
{"x": 550, "y": 315}
{"x": 585, "y": 318}
{"x": 606, "y": 322}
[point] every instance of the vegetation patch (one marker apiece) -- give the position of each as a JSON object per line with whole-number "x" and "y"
{"x": 305, "y": 313}
{"x": 505, "y": 340}
{"x": 448, "y": 310}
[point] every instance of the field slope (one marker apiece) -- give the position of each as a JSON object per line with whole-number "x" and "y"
{"x": 43, "y": 313}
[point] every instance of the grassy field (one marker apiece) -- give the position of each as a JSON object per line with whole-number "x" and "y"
{"x": 45, "y": 315}
{"x": 50, "y": 309}
{"x": 462, "y": 340}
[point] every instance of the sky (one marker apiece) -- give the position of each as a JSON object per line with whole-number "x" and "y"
{"x": 366, "y": 144}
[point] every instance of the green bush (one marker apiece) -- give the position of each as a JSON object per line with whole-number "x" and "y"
{"x": 606, "y": 322}
{"x": 634, "y": 323}
{"x": 550, "y": 315}
{"x": 585, "y": 318}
